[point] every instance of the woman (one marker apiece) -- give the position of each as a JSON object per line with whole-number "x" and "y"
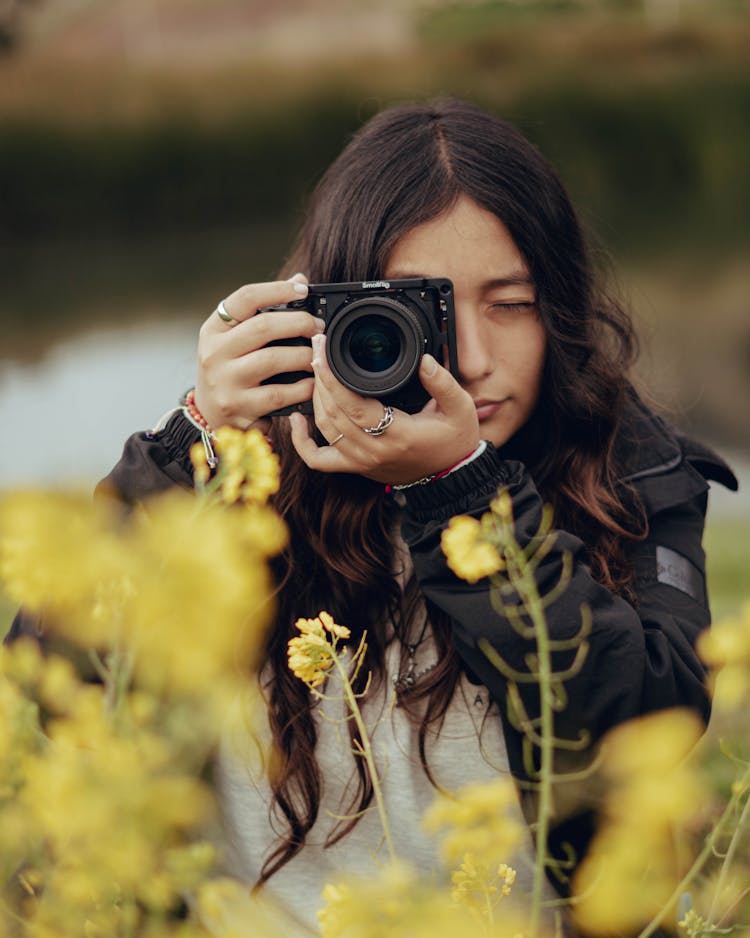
{"x": 542, "y": 405}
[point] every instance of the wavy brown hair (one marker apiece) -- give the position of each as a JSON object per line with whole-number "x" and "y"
{"x": 406, "y": 166}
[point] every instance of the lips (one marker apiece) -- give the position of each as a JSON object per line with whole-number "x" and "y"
{"x": 487, "y": 408}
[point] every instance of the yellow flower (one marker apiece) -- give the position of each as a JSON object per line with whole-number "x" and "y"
{"x": 310, "y": 654}
{"x": 59, "y": 553}
{"x": 478, "y": 821}
{"x": 201, "y": 470}
{"x": 228, "y": 909}
{"x": 728, "y": 641}
{"x": 479, "y": 886}
{"x": 502, "y": 506}
{"x": 394, "y": 902}
{"x": 248, "y": 468}
{"x": 508, "y": 876}
{"x": 469, "y": 556}
{"x": 632, "y": 868}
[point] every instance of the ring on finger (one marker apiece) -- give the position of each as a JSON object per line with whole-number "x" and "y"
{"x": 221, "y": 312}
{"x": 338, "y": 439}
{"x": 385, "y": 421}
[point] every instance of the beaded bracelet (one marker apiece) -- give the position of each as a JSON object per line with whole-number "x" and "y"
{"x": 194, "y": 416}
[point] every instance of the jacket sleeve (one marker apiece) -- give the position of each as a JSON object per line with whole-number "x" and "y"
{"x": 640, "y": 657}
{"x": 152, "y": 462}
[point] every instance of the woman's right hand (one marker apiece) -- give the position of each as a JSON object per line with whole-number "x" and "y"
{"x": 233, "y": 358}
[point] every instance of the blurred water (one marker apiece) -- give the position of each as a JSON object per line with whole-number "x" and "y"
{"x": 65, "y": 418}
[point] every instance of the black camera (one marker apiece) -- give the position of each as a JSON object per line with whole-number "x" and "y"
{"x": 376, "y": 334}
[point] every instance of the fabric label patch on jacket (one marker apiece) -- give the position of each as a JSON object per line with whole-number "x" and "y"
{"x": 675, "y": 570}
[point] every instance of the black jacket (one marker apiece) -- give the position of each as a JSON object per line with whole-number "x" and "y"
{"x": 641, "y": 657}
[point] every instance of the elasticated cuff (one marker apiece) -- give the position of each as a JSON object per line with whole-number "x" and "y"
{"x": 177, "y": 436}
{"x": 449, "y": 496}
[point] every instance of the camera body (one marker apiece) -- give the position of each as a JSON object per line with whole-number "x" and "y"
{"x": 376, "y": 334}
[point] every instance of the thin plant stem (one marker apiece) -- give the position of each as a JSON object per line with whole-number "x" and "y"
{"x": 490, "y": 909}
{"x": 731, "y": 851}
{"x": 526, "y": 585}
{"x": 364, "y": 738}
{"x": 701, "y": 859}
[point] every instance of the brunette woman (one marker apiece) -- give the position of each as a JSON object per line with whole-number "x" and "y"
{"x": 543, "y": 405}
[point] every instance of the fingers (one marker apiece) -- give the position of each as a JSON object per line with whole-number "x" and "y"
{"x": 321, "y": 458}
{"x": 413, "y": 447}
{"x": 449, "y": 397}
{"x": 235, "y": 358}
{"x": 244, "y": 303}
{"x": 331, "y": 397}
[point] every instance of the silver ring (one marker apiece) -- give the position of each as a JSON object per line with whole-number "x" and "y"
{"x": 385, "y": 421}
{"x": 221, "y": 312}
{"x": 338, "y": 439}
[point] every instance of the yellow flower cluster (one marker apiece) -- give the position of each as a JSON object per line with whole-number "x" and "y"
{"x": 248, "y": 469}
{"x": 478, "y": 822}
{"x": 98, "y": 807}
{"x": 726, "y": 647}
{"x": 632, "y": 869}
{"x": 479, "y": 886}
{"x": 396, "y": 903}
{"x": 470, "y": 556}
{"x": 310, "y": 654}
{"x": 183, "y": 584}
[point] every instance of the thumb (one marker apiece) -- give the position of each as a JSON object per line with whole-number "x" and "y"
{"x": 443, "y": 387}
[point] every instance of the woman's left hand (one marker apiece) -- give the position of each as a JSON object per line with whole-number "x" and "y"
{"x": 414, "y": 446}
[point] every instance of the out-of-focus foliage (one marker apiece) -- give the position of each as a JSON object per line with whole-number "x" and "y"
{"x": 106, "y": 820}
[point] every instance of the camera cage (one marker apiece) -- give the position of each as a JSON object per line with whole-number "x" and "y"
{"x": 418, "y": 303}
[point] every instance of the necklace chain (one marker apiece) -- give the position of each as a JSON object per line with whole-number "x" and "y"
{"x": 407, "y": 677}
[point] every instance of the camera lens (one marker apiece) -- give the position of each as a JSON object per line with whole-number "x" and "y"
{"x": 374, "y": 345}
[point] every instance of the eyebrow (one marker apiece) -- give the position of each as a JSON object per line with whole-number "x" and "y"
{"x": 513, "y": 278}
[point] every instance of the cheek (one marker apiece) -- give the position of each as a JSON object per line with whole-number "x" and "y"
{"x": 529, "y": 353}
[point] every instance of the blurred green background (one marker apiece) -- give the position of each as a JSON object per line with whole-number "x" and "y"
{"x": 154, "y": 154}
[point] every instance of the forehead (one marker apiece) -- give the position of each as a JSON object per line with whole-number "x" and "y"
{"x": 466, "y": 240}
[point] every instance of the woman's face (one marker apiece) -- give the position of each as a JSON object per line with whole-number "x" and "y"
{"x": 501, "y": 341}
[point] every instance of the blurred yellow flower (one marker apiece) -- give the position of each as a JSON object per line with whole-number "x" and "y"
{"x": 632, "y": 868}
{"x": 469, "y": 556}
{"x": 59, "y": 553}
{"x": 726, "y": 648}
{"x": 480, "y": 820}
{"x": 228, "y": 909}
{"x": 479, "y": 886}
{"x": 394, "y": 902}
{"x": 248, "y": 468}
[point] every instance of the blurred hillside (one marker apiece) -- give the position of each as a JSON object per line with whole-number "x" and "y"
{"x": 154, "y": 153}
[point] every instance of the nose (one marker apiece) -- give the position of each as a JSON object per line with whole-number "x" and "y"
{"x": 474, "y": 352}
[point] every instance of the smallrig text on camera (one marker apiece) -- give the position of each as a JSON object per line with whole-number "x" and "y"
{"x": 377, "y": 332}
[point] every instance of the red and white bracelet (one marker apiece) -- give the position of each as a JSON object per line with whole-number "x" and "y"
{"x": 445, "y": 472}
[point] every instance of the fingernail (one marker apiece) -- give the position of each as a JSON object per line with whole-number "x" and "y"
{"x": 317, "y": 343}
{"x": 429, "y": 365}
{"x": 301, "y": 288}
{"x": 320, "y": 324}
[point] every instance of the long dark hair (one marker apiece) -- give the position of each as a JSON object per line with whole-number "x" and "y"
{"x": 406, "y": 166}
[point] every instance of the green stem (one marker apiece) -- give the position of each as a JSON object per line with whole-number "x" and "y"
{"x": 535, "y": 609}
{"x": 703, "y": 856}
{"x": 731, "y": 851}
{"x": 490, "y": 909}
{"x": 364, "y": 739}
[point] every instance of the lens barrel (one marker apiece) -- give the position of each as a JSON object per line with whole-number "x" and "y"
{"x": 375, "y": 345}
